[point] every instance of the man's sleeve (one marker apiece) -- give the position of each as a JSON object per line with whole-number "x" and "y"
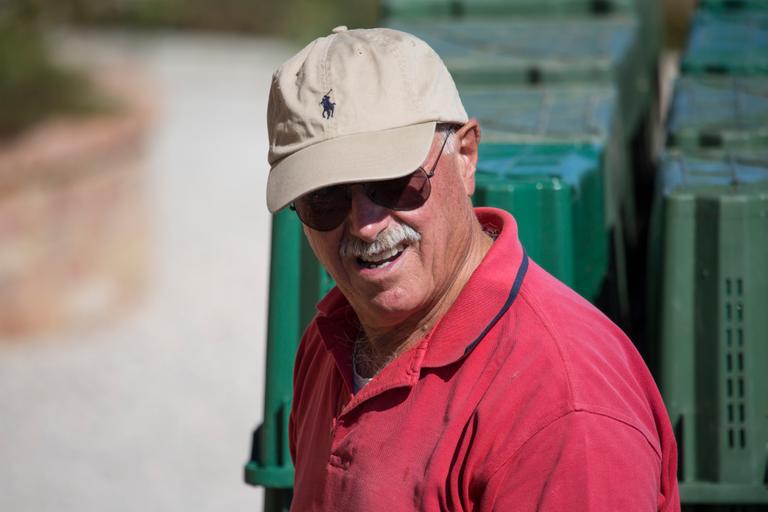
{"x": 582, "y": 461}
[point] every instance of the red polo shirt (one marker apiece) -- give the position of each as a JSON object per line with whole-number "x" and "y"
{"x": 523, "y": 397}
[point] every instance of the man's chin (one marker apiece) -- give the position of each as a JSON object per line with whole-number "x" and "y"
{"x": 388, "y": 307}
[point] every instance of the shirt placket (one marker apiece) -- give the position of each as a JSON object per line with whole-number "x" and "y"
{"x": 403, "y": 372}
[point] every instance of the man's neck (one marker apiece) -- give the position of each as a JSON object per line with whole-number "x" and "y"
{"x": 376, "y": 347}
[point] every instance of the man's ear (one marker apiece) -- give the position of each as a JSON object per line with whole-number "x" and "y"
{"x": 468, "y": 139}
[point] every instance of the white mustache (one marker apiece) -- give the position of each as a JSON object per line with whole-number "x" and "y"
{"x": 387, "y": 240}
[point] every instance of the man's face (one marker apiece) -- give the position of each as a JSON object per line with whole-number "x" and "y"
{"x": 407, "y": 274}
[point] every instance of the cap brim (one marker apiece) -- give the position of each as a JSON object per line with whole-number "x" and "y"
{"x": 369, "y": 156}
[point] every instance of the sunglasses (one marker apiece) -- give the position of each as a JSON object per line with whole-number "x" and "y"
{"x": 326, "y": 208}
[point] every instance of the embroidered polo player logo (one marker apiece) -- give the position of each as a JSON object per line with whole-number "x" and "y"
{"x": 328, "y": 105}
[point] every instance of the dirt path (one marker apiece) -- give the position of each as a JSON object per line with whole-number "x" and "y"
{"x": 154, "y": 409}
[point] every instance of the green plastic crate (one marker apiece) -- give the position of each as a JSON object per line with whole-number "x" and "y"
{"x": 458, "y": 8}
{"x": 719, "y": 112}
{"x": 711, "y": 293}
{"x": 405, "y": 9}
{"x": 571, "y": 113}
{"x": 297, "y": 283}
{"x": 557, "y": 186}
{"x": 732, "y": 5}
{"x": 520, "y": 51}
{"x": 575, "y": 114}
{"x": 565, "y": 11}
{"x": 732, "y": 43}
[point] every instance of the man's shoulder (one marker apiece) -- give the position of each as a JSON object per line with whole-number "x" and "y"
{"x": 582, "y": 335}
{"x": 557, "y": 358}
{"x": 600, "y": 368}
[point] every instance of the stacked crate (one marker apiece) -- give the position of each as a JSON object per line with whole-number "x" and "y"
{"x": 561, "y": 88}
{"x": 296, "y": 283}
{"x": 568, "y": 74}
{"x": 710, "y": 259}
{"x": 545, "y": 158}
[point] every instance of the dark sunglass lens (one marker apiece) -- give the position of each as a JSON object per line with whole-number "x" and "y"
{"x": 406, "y": 193}
{"x": 324, "y": 209}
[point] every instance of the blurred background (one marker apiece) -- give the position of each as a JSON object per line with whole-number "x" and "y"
{"x": 135, "y": 242}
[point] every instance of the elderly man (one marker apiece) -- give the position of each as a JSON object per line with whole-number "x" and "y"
{"x": 446, "y": 371}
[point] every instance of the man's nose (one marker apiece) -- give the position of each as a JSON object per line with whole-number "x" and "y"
{"x": 366, "y": 218}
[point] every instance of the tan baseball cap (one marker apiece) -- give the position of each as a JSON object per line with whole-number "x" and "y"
{"x": 357, "y": 105}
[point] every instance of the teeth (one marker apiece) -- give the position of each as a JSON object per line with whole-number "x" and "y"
{"x": 373, "y": 265}
{"x": 372, "y": 258}
{"x": 369, "y": 258}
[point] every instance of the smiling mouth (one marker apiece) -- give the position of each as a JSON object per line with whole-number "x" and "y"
{"x": 382, "y": 259}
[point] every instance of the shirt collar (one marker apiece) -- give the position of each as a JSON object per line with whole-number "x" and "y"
{"x": 485, "y": 298}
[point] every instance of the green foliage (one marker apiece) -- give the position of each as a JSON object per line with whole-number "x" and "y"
{"x": 31, "y": 86}
{"x": 307, "y": 19}
{"x": 299, "y": 19}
